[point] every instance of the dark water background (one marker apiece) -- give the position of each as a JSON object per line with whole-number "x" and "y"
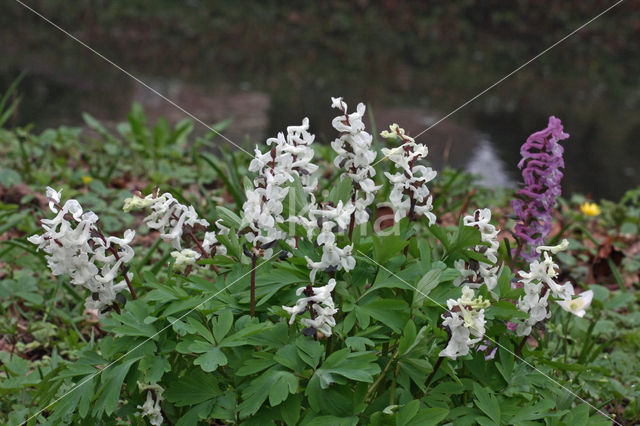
{"x": 268, "y": 64}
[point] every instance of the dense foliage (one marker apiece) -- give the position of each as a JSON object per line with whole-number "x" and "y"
{"x": 308, "y": 284}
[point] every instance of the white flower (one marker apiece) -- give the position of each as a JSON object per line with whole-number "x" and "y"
{"x": 77, "y": 248}
{"x": 355, "y": 157}
{"x": 319, "y": 301}
{"x": 579, "y": 305}
{"x": 410, "y": 194}
{"x": 535, "y": 305}
{"x": 211, "y": 240}
{"x": 167, "y": 216}
{"x": 288, "y": 157}
{"x": 541, "y": 279}
{"x": 466, "y": 318}
{"x": 152, "y": 409}
{"x": 477, "y": 273}
{"x": 54, "y": 198}
{"x": 554, "y": 249}
{"x": 460, "y": 340}
{"x": 184, "y": 258}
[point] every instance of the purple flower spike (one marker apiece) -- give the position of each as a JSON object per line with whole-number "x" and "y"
{"x": 540, "y": 165}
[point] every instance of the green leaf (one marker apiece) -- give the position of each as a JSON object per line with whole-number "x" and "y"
{"x": 309, "y": 351}
{"x": 393, "y": 313}
{"x": 290, "y": 409}
{"x": 428, "y": 417}
{"x": 112, "y": 380}
{"x": 384, "y": 248}
{"x": 222, "y": 324}
{"x": 427, "y": 283}
{"x": 487, "y": 402}
{"x": 230, "y": 181}
{"x": 194, "y": 387}
{"x": 333, "y": 421}
{"x": 407, "y": 412}
{"x": 260, "y": 362}
{"x": 441, "y": 235}
{"x": 211, "y": 360}
{"x": 274, "y": 384}
{"x": 359, "y": 366}
{"x": 9, "y": 177}
{"x": 287, "y": 356}
{"x": 229, "y": 218}
{"x": 285, "y": 384}
{"x": 341, "y": 192}
{"x": 359, "y": 343}
{"x": 504, "y": 282}
{"x": 534, "y": 412}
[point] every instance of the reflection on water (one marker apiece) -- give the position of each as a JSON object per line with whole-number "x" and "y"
{"x": 486, "y": 163}
{"x": 411, "y": 63}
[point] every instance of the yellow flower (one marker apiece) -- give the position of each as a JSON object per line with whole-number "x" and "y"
{"x": 590, "y": 209}
{"x": 87, "y": 179}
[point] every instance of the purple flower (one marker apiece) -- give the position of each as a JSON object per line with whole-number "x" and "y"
{"x": 511, "y": 326}
{"x": 541, "y": 163}
{"x": 488, "y": 348}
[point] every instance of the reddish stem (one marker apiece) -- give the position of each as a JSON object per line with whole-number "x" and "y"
{"x": 198, "y": 244}
{"x": 521, "y": 346}
{"x": 124, "y": 272}
{"x": 433, "y": 373}
{"x": 253, "y": 284}
{"x": 352, "y": 222}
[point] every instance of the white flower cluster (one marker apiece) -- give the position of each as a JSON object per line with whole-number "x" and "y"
{"x": 167, "y": 215}
{"x": 355, "y": 156}
{"x": 210, "y": 241}
{"x": 466, "y": 318}
{"x": 539, "y": 284}
{"x": 151, "y": 409}
{"x": 333, "y": 257}
{"x": 476, "y": 273}
{"x": 320, "y": 304}
{"x": 75, "y": 247}
{"x": 184, "y": 259}
{"x": 288, "y": 157}
{"x": 410, "y": 195}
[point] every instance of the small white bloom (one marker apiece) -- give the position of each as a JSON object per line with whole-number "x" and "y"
{"x": 554, "y": 249}
{"x": 320, "y": 302}
{"x": 167, "y": 216}
{"x": 152, "y": 409}
{"x": 75, "y": 247}
{"x": 54, "y": 197}
{"x": 355, "y": 157}
{"x": 474, "y": 275}
{"x": 184, "y": 258}
{"x": 288, "y": 157}
{"x": 465, "y": 318}
{"x": 578, "y": 305}
{"x": 410, "y": 189}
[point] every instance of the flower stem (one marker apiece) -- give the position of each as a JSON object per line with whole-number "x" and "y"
{"x": 433, "y": 373}
{"x": 352, "y": 221}
{"x": 392, "y": 393}
{"x": 375, "y": 384}
{"x": 198, "y": 244}
{"x": 521, "y": 345}
{"x": 253, "y": 283}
